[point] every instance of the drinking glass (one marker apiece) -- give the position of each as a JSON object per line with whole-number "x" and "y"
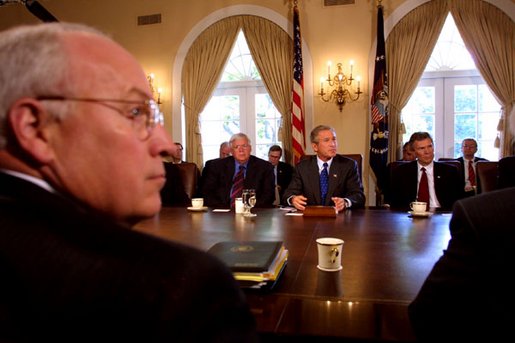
{"x": 249, "y": 201}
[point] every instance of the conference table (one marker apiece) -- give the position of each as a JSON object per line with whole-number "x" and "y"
{"x": 386, "y": 258}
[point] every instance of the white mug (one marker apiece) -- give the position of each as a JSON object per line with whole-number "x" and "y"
{"x": 329, "y": 253}
{"x": 238, "y": 205}
{"x": 197, "y": 202}
{"x": 418, "y": 206}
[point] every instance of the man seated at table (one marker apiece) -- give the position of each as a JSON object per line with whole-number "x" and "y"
{"x": 436, "y": 183}
{"x": 468, "y": 162}
{"x": 81, "y": 147}
{"x": 282, "y": 172}
{"x": 468, "y": 296}
{"x": 327, "y": 178}
{"x": 225, "y": 178}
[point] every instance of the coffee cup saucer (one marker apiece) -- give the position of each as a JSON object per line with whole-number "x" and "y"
{"x": 329, "y": 269}
{"x": 420, "y": 214}
{"x": 197, "y": 209}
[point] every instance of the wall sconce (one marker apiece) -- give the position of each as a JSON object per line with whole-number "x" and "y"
{"x": 340, "y": 94}
{"x": 156, "y": 92}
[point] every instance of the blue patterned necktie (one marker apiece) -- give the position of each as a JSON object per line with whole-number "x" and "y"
{"x": 324, "y": 183}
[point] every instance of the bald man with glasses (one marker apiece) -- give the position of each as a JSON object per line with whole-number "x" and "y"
{"x": 81, "y": 148}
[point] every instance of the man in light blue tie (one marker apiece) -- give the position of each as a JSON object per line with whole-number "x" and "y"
{"x": 327, "y": 178}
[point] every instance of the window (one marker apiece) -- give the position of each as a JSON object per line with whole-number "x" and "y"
{"x": 452, "y": 101}
{"x": 240, "y": 103}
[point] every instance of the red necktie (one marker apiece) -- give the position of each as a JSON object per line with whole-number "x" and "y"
{"x": 472, "y": 174}
{"x": 423, "y": 188}
{"x": 237, "y": 185}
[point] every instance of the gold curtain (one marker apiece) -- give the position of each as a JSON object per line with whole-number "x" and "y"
{"x": 488, "y": 34}
{"x": 408, "y": 49}
{"x": 202, "y": 70}
{"x": 272, "y": 50}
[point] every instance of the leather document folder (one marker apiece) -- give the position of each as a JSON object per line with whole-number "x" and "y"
{"x": 320, "y": 211}
{"x": 249, "y": 257}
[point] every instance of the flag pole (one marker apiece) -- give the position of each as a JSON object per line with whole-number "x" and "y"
{"x": 297, "y": 106}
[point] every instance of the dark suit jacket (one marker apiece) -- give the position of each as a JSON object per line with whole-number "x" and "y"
{"x": 68, "y": 274}
{"x": 344, "y": 182}
{"x": 463, "y": 166}
{"x": 284, "y": 175}
{"x": 468, "y": 296}
{"x": 217, "y": 181}
{"x": 507, "y": 172}
{"x": 403, "y": 190}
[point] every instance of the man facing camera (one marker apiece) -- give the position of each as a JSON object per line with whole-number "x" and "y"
{"x": 468, "y": 296}
{"x": 282, "y": 172}
{"x": 81, "y": 147}
{"x": 327, "y": 178}
{"x": 438, "y": 184}
{"x": 225, "y": 178}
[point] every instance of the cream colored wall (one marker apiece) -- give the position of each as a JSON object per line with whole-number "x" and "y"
{"x": 336, "y": 33}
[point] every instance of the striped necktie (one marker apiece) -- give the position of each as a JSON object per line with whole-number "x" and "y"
{"x": 237, "y": 185}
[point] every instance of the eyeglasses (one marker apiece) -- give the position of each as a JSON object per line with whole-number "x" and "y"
{"x": 244, "y": 146}
{"x": 145, "y": 115}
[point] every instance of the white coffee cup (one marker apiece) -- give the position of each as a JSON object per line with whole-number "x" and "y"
{"x": 238, "y": 205}
{"x": 329, "y": 253}
{"x": 197, "y": 202}
{"x": 418, "y": 206}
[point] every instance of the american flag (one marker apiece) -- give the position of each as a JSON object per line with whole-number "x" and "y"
{"x": 379, "y": 108}
{"x": 297, "y": 107}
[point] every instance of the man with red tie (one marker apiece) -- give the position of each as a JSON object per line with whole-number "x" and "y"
{"x": 468, "y": 163}
{"x": 424, "y": 179}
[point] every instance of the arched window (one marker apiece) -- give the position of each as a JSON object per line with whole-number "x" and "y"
{"x": 452, "y": 101}
{"x": 240, "y": 103}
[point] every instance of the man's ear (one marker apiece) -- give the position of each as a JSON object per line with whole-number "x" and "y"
{"x": 30, "y": 124}
{"x": 314, "y": 146}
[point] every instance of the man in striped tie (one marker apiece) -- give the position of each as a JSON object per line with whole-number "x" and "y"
{"x": 226, "y": 177}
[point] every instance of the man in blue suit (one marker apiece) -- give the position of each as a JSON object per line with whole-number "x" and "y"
{"x": 344, "y": 183}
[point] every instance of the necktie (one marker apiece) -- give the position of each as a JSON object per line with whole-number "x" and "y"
{"x": 423, "y": 188}
{"x": 324, "y": 183}
{"x": 237, "y": 185}
{"x": 472, "y": 174}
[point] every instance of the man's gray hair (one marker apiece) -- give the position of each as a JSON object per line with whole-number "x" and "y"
{"x": 238, "y": 136}
{"x": 34, "y": 62}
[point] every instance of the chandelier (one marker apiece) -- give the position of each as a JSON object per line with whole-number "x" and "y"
{"x": 341, "y": 93}
{"x": 156, "y": 92}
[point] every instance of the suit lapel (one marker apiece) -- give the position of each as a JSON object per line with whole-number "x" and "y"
{"x": 314, "y": 179}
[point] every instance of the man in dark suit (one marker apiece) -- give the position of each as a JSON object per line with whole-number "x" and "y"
{"x": 468, "y": 160}
{"x": 344, "y": 184}
{"x": 282, "y": 171}
{"x": 80, "y": 164}
{"x": 507, "y": 171}
{"x": 217, "y": 180}
{"x": 443, "y": 179}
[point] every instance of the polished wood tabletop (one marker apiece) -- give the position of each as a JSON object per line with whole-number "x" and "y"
{"x": 386, "y": 257}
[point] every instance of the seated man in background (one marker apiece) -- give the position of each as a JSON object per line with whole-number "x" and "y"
{"x": 507, "y": 170}
{"x": 327, "y": 178}
{"x": 468, "y": 163}
{"x": 223, "y": 174}
{"x": 408, "y": 154}
{"x": 176, "y": 157}
{"x": 225, "y": 149}
{"x": 282, "y": 171}
{"x": 80, "y": 163}
{"x": 468, "y": 296}
{"x": 438, "y": 184}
